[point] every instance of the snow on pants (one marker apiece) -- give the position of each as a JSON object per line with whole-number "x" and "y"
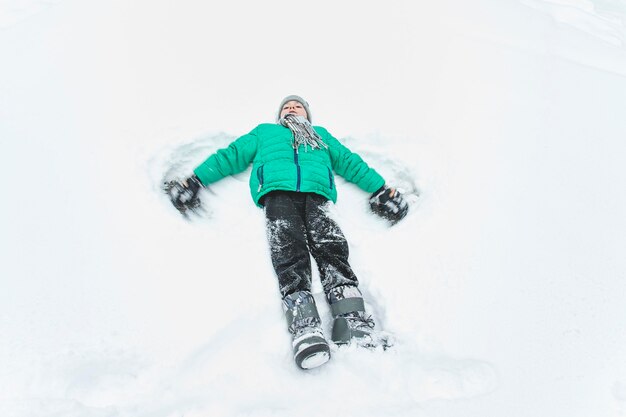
{"x": 298, "y": 226}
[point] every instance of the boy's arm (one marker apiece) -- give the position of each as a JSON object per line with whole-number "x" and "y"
{"x": 228, "y": 161}
{"x": 351, "y": 166}
{"x": 386, "y": 202}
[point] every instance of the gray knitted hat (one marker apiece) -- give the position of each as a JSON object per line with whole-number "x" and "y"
{"x": 294, "y": 98}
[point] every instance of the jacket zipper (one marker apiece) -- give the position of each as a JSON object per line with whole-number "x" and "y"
{"x": 295, "y": 160}
{"x": 259, "y": 174}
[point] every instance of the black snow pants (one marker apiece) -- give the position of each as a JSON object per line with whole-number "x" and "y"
{"x": 298, "y": 226}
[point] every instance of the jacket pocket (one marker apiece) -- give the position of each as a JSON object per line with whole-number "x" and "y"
{"x": 330, "y": 178}
{"x": 259, "y": 175}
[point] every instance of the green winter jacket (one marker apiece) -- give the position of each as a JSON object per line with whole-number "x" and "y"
{"x": 277, "y": 166}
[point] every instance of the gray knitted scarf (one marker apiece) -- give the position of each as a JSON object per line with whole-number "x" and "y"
{"x": 303, "y": 132}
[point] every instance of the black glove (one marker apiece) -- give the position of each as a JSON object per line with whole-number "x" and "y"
{"x": 389, "y": 204}
{"x": 184, "y": 194}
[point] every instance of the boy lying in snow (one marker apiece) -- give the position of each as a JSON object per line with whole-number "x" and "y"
{"x": 293, "y": 180}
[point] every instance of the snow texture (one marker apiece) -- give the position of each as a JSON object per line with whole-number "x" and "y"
{"x": 504, "y": 288}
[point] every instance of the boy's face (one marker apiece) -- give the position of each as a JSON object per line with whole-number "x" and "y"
{"x": 294, "y": 107}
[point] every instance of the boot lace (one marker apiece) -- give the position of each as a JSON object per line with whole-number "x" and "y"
{"x": 360, "y": 321}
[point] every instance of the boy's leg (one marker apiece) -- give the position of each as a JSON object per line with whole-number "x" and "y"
{"x": 286, "y": 234}
{"x": 328, "y": 245}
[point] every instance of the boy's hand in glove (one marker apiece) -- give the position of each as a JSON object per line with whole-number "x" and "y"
{"x": 184, "y": 194}
{"x": 389, "y": 204}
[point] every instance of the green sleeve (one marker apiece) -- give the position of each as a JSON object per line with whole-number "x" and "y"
{"x": 351, "y": 166}
{"x": 228, "y": 161}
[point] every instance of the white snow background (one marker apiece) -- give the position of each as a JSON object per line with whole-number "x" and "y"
{"x": 505, "y": 287}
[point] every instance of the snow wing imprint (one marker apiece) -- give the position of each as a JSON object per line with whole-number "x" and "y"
{"x": 178, "y": 161}
{"x": 605, "y": 24}
{"x": 410, "y": 380}
{"x": 397, "y": 172}
{"x": 422, "y": 377}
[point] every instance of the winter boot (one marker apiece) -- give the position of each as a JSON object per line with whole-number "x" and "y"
{"x": 351, "y": 323}
{"x": 310, "y": 348}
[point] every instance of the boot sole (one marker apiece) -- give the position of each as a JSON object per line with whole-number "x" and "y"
{"x": 313, "y": 356}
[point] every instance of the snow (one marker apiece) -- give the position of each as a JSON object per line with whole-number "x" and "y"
{"x": 504, "y": 288}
